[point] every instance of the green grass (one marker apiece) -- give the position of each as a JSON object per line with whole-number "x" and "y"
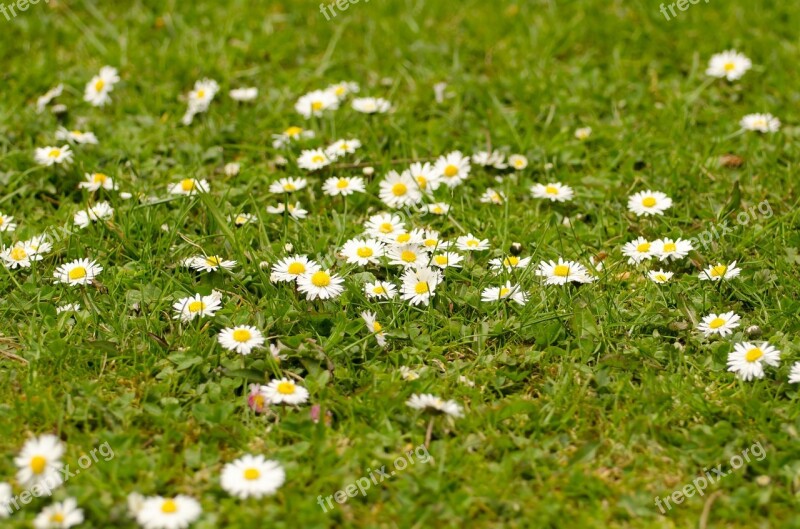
{"x": 583, "y": 408}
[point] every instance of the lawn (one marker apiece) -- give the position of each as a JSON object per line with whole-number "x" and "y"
{"x": 595, "y": 403}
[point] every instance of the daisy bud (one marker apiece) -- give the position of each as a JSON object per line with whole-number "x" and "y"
{"x": 368, "y": 171}
{"x": 232, "y": 169}
{"x": 753, "y": 330}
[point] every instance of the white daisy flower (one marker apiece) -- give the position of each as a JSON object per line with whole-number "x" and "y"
{"x": 470, "y": 243}
{"x": 384, "y": 225}
{"x": 419, "y": 285}
{"x": 408, "y": 373}
{"x": 583, "y": 133}
{"x": 313, "y": 159}
{"x": 290, "y": 268}
{"x": 563, "y": 272}
{"x": 7, "y": 223}
{"x": 494, "y": 159}
{"x": 241, "y": 339}
{"x": 210, "y": 263}
{"x": 363, "y": 251}
{"x": 374, "y": 327}
{"x": 37, "y": 246}
{"x": 343, "y": 89}
{"x": 295, "y": 210}
{"x": 199, "y": 99}
{"x": 380, "y": 289}
{"x": 553, "y": 191}
{"x": 518, "y": 162}
{"x": 408, "y": 255}
{"x": 316, "y": 103}
{"x": 252, "y": 477}
{"x": 399, "y": 190}
{"x": 17, "y": 256}
{"x": 197, "y": 306}
{"x": 49, "y": 156}
{"x": 720, "y": 272}
{"x": 730, "y": 64}
{"x": 95, "y": 181}
{"x": 447, "y": 260}
{"x": 232, "y": 169}
{"x": 452, "y": 168}
{"x": 638, "y": 250}
{"x": 288, "y": 185}
{"x": 289, "y": 135}
{"x": 435, "y": 405}
{"x": 6, "y": 498}
{"x": 320, "y": 284}
{"x": 760, "y": 123}
{"x": 68, "y": 307}
{"x": 509, "y": 263}
{"x": 649, "y": 203}
{"x": 431, "y": 241}
{"x": 61, "y": 515}
{"x": 508, "y": 291}
{"x": 747, "y": 360}
{"x": 371, "y": 105}
{"x": 794, "y": 374}
{"x": 100, "y": 86}
{"x": 671, "y": 249}
{"x": 43, "y": 100}
{"x": 340, "y": 148}
{"x": 490, "y": 196}
{"x": 404, "y": 238}
{"x": 242, "y": 219}
{"x": 659, "y": 276}
{"x": 722, "y": 324}
{"x": 284, "y": 391}
{"x": 188, "y": 186}
{"x": 76, "y": 136}
{"x": 157, "y": 512}
{"x": 39, "y": 463}
{"x": 99, "y": 212}
{"x": 77, "y": 272}
{"x": 343, "y": 185}
{"x": 243, "y": 94}
{"x": 426, "y": 178}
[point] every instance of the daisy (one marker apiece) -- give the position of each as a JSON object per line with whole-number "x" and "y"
{"x": 509, "y": 263}
{"x": 157, "y": 512}
{"x": 435, "y": 405}
{"x": 470, "y": 243}
{"x": 363, "y": 251}
{"x": 343, "y": 89}
{"x": 720, "y": 272}
{"x": 649, "y": 203}
{"x": 419, "y": 285}
{"x": 313, "y": 159}
{"x": 68, "y": 307}
{"x": 76, "y": 136}
{"x": 189, "y": 186}
{"x": 344, "y": 186}
{"x": 252, "y": 477}
{"x": 295, "y": 210}
{"x": 374, "y": 327}
{"x": 243, "y": 94}
{"x": 423, "y": 174}
{"x": 284, "y": 391}
{"x": 315, "y": 103}
{"x": 17, "y": 256}
{"x": 401, "y": 238}
{"x": 659, "y": 276}
{"x": 289, "y": 135}
{"x": 37, "y": 246}
{"x": 722, "y": 324}
{"x": 98, "y": 212}
{"x": 210, "y": 263}
{"x": 290, "y": 268}
{"x": 760, "y": 123}
{"x": 399, "y": 190}
{"x": 384, "y": 225}
{"x": 287, "y": 185}
{"x": 197, "y": 306}
{"x": 563, "y": 272}
{"x": 6, "y": 497}
{"x": 518, "y": 162}
{"x": 668, "y": 249}
{"x": 242, "y": 219}
{"x": 553, "y": 191}
{"x": 490, "y": 196}
{"x": 638, "y": 250}
{"x": 507, "y": 291}
{"x": 794, "y": 374}
{"x": 431, "y": 242}
{"x": 437, "y": 208}
{"x": 199, "y": 99}
{"x": 49, "y": 156}
{"x": 98, "y": 89}
{"x": 408, "y": 373}
{"x": 747, "y": 360}
{"x": 494, "y": 159}
{"x": 447, "y": 260}
{"x": 7, "y": 223}
{"x": 583, "y": 133}
{"x": 380, "y": 289}
{"x": 231, "y": 169}
{"x": 452, "y": 168}
{"x": 339, "y": 148}
{"x": 78, "y": 272}
{"x": 60, "y": 515}
{"x": 408, "y": 255}
{"x": 39, "y": 463}
{"x": 95, "y": 181}
{"x": 256, "y": 399}
{"x": 371, "y": 105}
{"x": 241, "y": 339}
{"x": 44, "y": 100}
{"x": 731, "y": 65}
{"x": 320, "y": 284}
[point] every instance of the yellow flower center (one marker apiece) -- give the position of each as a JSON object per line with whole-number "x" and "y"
{"x": 719, "y": 270}
{"x": 421, "y": 288}
{"x": 753, "y": 354}
{"x": 293, "y": 131}
{"x": 99, "y": 178}
{"x": 551, "y": 190}
{"x": 289, "y": 187}
{"x": 648, "y": 202}
{"x": 187, "y": 184}
{"x": 496, "y": 197}
{"x": 430, "y": 243}
{"x": 339, "y": 90}
{"x": 241, "y": 219}
{"x": 286, "y": 388}
{"x": 644, "y": 247}
{"x": 196, "y": 306}
{"x": 450, "y": 171}
{"x": 76, "y": 133}
{"x": 511, "y": 261}
{"x": 379, "y": 290}
{"x": 519, "y": 163}
{"x": 716, "y": 323}
{"x": 342, "y": 183}
{"x": 377, "y": 327}
{"x": 386, "y": 227}
{"x": 660, "y": 277}
{"x": 18, "y": 254}
{"x": 441, "y": 260}
{"x": 321, "y": 279}
{"x": 316, "y": 105}
{"x": 201, "y": 94}
{"x": 364, "y": 251}
{"x": 38, "y": 464}
{"x": 399, "y": 189}
{"x": 404, "y": 237}
{"x": 729, "y": 66}
{"x": 504, "y": 292}
{"x": 422, "y": 182}
{"x": 242, "y": 335}
{"x": 57, "y": 518}
{"x": 252, "y": 474}
{"x": 54, "y": 153}
{"x": 472, "y": 243}
{"x": 296, "y": 268}
{"x": 408, "y": 256}
{"x": 76, "y": 273}
{"x": 438, "y": 210}
{"x": 169, "y": 507}
{"x": 344, "y": 146}
{"x": 318, "y": 158}
{"x": 99, "y": 85}
{"x": 561, "y": 270}
{"x": 670, "y": 247}
{"x": 213, "y": 260}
